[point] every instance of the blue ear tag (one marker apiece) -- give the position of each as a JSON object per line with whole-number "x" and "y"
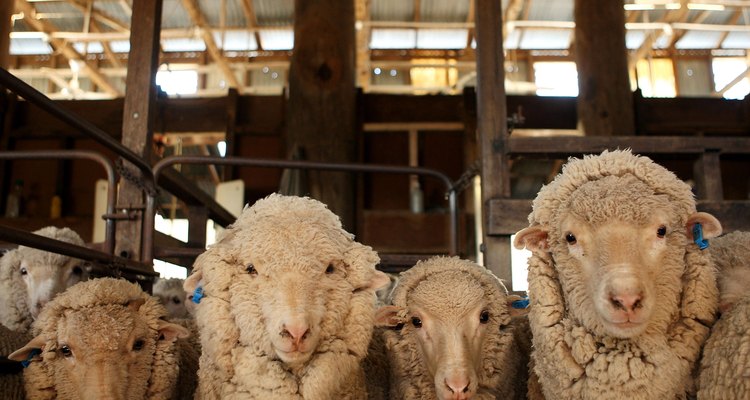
{"x": 34, "y": 352}
{"x": 198, "y": 294}
{"x": 698, "y": 236}
{"x": 521, "y": 304}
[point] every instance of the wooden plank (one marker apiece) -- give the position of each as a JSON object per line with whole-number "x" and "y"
{"x": 321, "y": 110}
{"x": 6, "y": 10}
{"x": 230, "y": 134}
{"x": 707, "y": 176}
{"x": 605, "y": 103}
{"x": 138, "y": 110}
{"x": 508, "y": 216}
{"x": 401, "y": 108}
{"x": 560, "y": 147}
{"x": 492, "y": 127}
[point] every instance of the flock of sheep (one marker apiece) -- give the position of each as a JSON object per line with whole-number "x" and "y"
{"x": 624, "y": 303}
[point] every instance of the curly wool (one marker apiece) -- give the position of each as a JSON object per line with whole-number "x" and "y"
{"x": 14, "y": 310}
{"x": 11, "y": 383}
{"x": 725, "y": 366}
{"x": 503, "y": 372}
{"x": 157, "y": 381}
{"x": 238, "y": 360}
{"x": 572, "y": 362}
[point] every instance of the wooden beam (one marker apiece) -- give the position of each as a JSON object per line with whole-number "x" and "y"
{"x": 252, "y": 19}
{"x": 492, "y": 129}
{"x": 470, "y": 19}
{"x": 100, "y": 16}
{"x": 363, "y": 57}
{"x": 321, "y": 108}
{"x": 557, "y": 147}
{"x": 676, "y": 36}
{"x": 6, "y": 11}
{"x": 731, "y": 21}
{"x": 138, "y": 114}
{"x": 512, "y": 13}
{"x": 602, "y": 62}
{"x": 417, "y": 10}
{"x": 66, "y": 49}
{"x": 205, "y": 30}
{"x": 111, "y": 56}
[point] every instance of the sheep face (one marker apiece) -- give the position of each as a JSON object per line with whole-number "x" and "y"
{"x": 45, "y": 280}
{"x": 173, "y": 297}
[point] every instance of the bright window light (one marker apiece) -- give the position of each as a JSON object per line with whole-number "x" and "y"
{"x": 556, "y": 79}
{"x": 168, "y": 270}
{"x": 656, "y": 77}
{"x": 726, "y": 69}
{"x": 178, "y": 82}
{"x": 222, "y": 147}
{"x": 519, "y": 267}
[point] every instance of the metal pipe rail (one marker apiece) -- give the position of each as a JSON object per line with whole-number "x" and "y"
{"x": 24, "y": 238}
{"x": 109, "y": 238}
{"x": 24, "y": 90}
{"x": 150, "y": 214}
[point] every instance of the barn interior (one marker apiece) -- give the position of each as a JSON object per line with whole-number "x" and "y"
{"x": 446, "y": 116}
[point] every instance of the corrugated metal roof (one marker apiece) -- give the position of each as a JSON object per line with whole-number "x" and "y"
{"x": 551, "y": 10}
{"x": 442, "y": 38}
{"x": 236, "y": 40}
{"x": 274, "y": 12}
{"x": 277, "y": 39}
{"x": 113, "y": 9}
{"x": 234, "y": 18}
{"x": 63, "y": 16}
{"x": 392, "y": 10}
{"x": 174, "y": 15}
{"x": 393, "y": 39}
{"x": 444, "y": 10}
{"x": 183, "y": 44}
{"x": 699, "y": 40}
{"x": 29, "y": 46}
{"x": 546, "y": 39}
{"x": 737, "y": 40}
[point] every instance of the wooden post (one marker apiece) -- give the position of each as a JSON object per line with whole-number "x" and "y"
{"x": 6, "y": 10}
{"x": 707, "y": 176}
{"x": 492, "y": 128}
{"x": 230, "y": 136}
{"x": 605, "y": 101}
{"x": 321, "y": 108}
{"x": 140, "y": 100}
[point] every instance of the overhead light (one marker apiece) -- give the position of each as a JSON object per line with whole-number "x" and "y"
{"x": 705, "y": 7}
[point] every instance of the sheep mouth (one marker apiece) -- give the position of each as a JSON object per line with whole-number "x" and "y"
{"x": 293, "y": 356}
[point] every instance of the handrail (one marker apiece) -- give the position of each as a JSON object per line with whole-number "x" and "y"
{"x": 150, "y": 214}
{"x": 109, "y": 238}
{"x": 39, "y": 99}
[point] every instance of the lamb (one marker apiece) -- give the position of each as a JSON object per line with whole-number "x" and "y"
{"x": 29, "y": 278}
{"x": 725, "y": 366}
{"x": 173, "y": 296}
{"x": 106, "y": 338}
{"x": 453, "y": 334}
{"x": 288, "y": 305}
{"x": 621, "y": 298}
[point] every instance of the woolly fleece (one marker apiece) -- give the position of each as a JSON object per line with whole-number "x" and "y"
{"x": 289, "y": 236}
{"x": 573, "y": 359}
{"x": 14, "y": 310}
{"x": 11, "y": 384}
{"x": 725, "y": 366}
{"x": 100, "y": 305}
{"x": 506, "y": 346}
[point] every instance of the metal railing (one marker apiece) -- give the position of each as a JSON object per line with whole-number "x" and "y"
{"x": 159, "y": 167}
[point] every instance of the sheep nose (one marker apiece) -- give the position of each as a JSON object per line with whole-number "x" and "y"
{"x": 626, "y": 302}
{"x": 298, "y": 331}
{"x": 458, "y": 385}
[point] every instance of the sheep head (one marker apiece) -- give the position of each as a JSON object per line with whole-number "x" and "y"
{"x": 173, "y": 297}
{"x": 457, "y": 314}
{"x": 46, "y": 274}
{"x": 95, "y": 346}
{"x": 289, "y": 274}
{"x": 618, "y": 241}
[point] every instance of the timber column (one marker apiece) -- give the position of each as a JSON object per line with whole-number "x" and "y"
{"x": 6, "y": 10}
{"x": 492, "y": 129}
{"x": 137, "y": 132}
{"x": 605, "y": 101}
{"x": 321, "y": 109}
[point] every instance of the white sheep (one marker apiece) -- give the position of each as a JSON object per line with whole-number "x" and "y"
{"x": 453, "y": 335}
{"x": 106, "y": 338}
{"x": 29, "y": 278}
{"x": 725, "y": 366}
{"x": 621, "y": 298}
{"x": 288, "y": 305}
{"x": 173, "y": 296}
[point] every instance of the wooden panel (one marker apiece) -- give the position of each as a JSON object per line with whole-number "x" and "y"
{"x": 689, "y": 116}
{"x": 401, "y": 108}
{"x": 563, "y": 147}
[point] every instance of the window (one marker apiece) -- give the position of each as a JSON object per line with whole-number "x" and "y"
{"x": 726, "y": 70}
{"x": 556, "y": 78}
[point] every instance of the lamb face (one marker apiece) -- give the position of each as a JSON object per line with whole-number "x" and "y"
{"x": 45, "y": 280}
{"x": 173, "y": 297}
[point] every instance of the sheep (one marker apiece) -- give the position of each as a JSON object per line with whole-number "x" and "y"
{"x": 29, "y": 278}
{"x": 453, "y": 334}
{"x": 173, "y": 296}
{"x": 725, "y": 366}
{"x": 288, "y": 305}
{"x": 106, "y": 338}
{"x": 11, "y": 378}
{"x": 621, "y": 298}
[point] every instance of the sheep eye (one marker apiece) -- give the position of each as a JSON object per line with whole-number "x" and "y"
{"x": 330, "y": 269}
{"x": 24, "y": 271}
{"x": 138, "y": 345}
{"x": 570, "y": 238}
{"x": 65, "y": 351}
{"x": 661, "y": 231}
{"x": 251, "y": 269}
{"x": 176, "y": 300}
{"x": 484, "y": 317}
{"x": 416, "y": 322}
{"x": 77, "y": 270}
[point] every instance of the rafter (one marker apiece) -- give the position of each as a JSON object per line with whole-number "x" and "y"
{"x": 417, "y": 10}
{"x": 111, "y": 56}
{"x": 697, "y": 20}
{"x": 65, "y": 48}
{"x": 252, "y": 20}
{"x": 731, "y": 21}
{"x": 362, "y": 32}
{"x": 470, "y": 20}
{"x": 100, "y": 16}
{"x": 208, "y": 38}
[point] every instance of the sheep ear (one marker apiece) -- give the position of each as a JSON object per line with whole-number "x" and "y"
{"x": 135, "y": 304}
{"x": 25, "y": 352}
{"x": 517, "y": 306}
{"x": 171, "y": 332}
{"x": 389, "y": 316}
{"x": 379, "y": 280}
{"x": 710, "y": 225}
{"x": 533, "y": 238}
{"x": 192, "y": 282}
